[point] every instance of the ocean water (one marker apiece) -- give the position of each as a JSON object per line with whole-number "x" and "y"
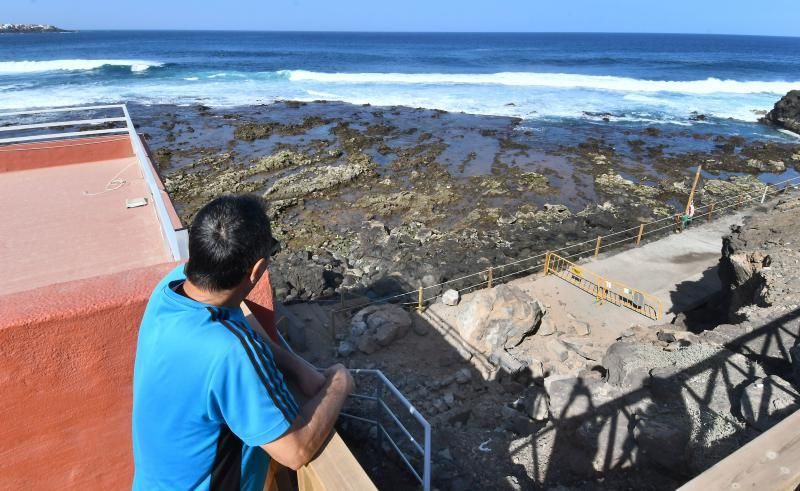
{"x": 628, "y": 79}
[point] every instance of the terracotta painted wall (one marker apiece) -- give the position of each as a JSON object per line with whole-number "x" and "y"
{"x": 66, "y": 367}
{"x": 25, "y": 156}
{"x": 66, "y": 364}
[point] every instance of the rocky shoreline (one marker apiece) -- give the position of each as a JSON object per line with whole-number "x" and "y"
{"x": 29, "y": 28}
{"x": 378, "y": 200}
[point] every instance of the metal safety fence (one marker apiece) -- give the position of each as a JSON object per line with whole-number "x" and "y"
{"x": 604, "y": 289}
{"x": 487, "y": 278}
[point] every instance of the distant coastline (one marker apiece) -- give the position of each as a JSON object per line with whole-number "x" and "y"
{"x": 29, "y": 28}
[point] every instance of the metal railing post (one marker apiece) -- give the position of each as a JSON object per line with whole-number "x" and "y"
{"x": 601, "y": 285}
{"x": 597, "y": 246}
{"x": 426, "y": 470}
{"x": 764, "y": 196}
{"x": 639, "y": 237}
{"x": 419, "y": 300}
{"x": 378, "y": 412}
{"x": 694, "y": 187}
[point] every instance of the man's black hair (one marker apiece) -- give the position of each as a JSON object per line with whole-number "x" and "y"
{"x": 227, "y": 237}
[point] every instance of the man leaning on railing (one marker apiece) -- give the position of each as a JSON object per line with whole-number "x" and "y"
{"x": 210, "y": 404}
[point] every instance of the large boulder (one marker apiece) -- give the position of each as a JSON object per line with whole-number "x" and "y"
{"x": 768, "y": 400}
{"x": 786, "y": 112}
{"x": 572, "y": 398}
{"x": 378, "y": 326}
{"x": 744, "y": 275}
{"x": 499, "y": 318}
{"x": 594, "y": 421}
{"x": 711, "y": 370}
{"x": 628, "y": 364}
{"x": 662, "y": 438}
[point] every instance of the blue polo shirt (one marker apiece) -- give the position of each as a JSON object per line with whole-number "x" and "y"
{"x": 206, "y": 395}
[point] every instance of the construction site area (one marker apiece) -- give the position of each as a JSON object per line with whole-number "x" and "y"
{"x": 639, "y": 368}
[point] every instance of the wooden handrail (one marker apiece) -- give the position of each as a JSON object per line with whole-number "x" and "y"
{"x": 333, "y": 469}
{"x": 771, "y": 461}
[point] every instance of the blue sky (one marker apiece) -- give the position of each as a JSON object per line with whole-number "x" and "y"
{"x": 769, "y": 17}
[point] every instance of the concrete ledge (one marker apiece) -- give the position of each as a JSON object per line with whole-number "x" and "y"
{"x": 771, "y": 461}
{"x": 66, "y": 367}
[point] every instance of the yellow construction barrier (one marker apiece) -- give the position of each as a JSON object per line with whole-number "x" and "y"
{"x": 604, "y": 289}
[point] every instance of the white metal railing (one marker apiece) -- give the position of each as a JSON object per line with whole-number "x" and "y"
{"x": 381, "y": 409}
{"x": 60, "y": 123}
{"x": 179, "y": 250}
{"x": 177, "y": 241}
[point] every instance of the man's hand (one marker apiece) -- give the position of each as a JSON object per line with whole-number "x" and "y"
{"x": 340, "y": 375}
{"x": 311, "y": 428}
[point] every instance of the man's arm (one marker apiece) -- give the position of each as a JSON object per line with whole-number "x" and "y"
{"x": 313, "y": 425}
{"x": 308, "y": 378}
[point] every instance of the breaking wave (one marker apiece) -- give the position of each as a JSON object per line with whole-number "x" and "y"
{"x": 21, "y": 67}
{"x": 551, "y": 80}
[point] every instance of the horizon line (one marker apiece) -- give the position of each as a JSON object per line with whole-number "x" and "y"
{"x": 334, "y": 31}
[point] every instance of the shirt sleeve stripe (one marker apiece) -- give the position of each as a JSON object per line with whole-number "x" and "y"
{"x": 263, "y": 373}
{"x": 256, "y": 366}
{"x": 257, "y": 358}
{"x": 263, "y": 349}
{"x": 268, "y": 366}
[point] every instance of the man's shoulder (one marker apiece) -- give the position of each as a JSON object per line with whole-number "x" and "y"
{"x": 202, "y": 325}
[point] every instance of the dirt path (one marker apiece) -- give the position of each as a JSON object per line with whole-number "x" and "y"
{"x": 679, "y": 270}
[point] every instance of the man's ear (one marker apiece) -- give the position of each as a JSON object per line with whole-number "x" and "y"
{"x": 259, "y": 268}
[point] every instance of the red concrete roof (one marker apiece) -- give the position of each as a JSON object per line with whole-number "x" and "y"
{"x": 52, "y": 231}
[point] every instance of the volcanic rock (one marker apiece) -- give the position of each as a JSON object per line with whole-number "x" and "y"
{"x": 451, "y": 297}
{"x": 379, "y": 325}
{"x": 766, "y": 401}
{"x": 786, "y": 112}
{"x": 499, "y": 318}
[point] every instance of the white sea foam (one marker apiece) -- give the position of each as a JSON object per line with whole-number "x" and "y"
{"x": 22, "y": 67}
{"x": 552, "y": 80}
{"x": 529, "y": 102}
{"x": 790, "y": 133}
